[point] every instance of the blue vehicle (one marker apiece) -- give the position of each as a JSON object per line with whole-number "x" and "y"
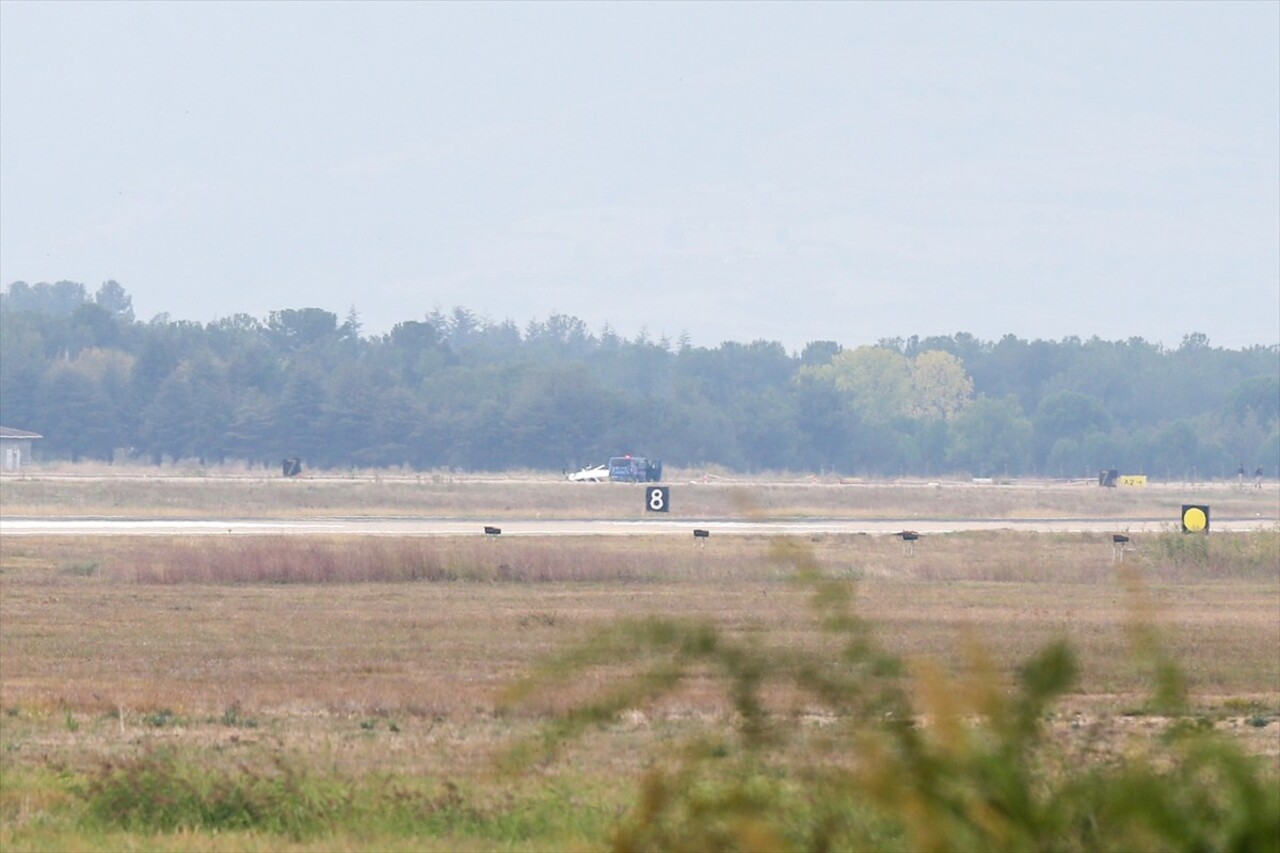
{"x": 635, "y": 469}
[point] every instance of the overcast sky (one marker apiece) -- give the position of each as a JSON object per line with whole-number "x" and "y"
{"x": 733, "y": 171}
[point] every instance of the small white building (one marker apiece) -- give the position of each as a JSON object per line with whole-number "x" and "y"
{"x": 15, "y": 448}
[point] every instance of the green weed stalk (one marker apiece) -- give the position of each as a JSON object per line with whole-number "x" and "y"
{"x": 916, "y": 759}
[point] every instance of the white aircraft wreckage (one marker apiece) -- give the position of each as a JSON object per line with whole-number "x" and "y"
{"x": 598, "y": 474}
{"x": 621, "y": 469}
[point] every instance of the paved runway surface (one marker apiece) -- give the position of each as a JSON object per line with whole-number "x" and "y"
{"x": 392, "y": 526}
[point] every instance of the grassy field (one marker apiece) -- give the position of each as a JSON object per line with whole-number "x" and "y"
{"x": 89, "y": 492}
{"x": 357, "y": 693}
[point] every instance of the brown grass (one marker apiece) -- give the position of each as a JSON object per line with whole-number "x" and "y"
{"x": 346, "y": 626}
{"x": 547, "y": 497}
{"x": 366, "y": 655}
{"x": 994, "y": 556}
{"x": 243, "y": 653}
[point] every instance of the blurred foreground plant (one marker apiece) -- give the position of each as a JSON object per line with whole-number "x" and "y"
{"x": 916, "y": 759}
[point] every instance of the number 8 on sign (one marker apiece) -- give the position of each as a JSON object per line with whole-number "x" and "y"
{"x": 657, "y": 499}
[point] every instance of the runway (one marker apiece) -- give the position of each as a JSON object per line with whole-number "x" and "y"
{"x": 418, "y": 526}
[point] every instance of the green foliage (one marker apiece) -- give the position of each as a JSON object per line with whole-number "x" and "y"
{"x": 80, "y": 568}
{"x": 1066, "y": 415}
{"x": 1253, "y": 554}
{"x": 161, "y": 792}
{"x": 915, "y": 758}
{"x": 165, "y": 791}
{"x": 1259, "y": 395}
{"x": 876, "y": 381}
{"x": 991, "y": 437}
{"x": 453, "y": 389}
{"x": 234, "y": 716}
{"x": 940, "y": 387}
{"x": 160, "y": 719}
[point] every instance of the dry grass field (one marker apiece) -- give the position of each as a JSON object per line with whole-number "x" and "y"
{"x": 372, "y": 676}
{"x": 94, "y": 492}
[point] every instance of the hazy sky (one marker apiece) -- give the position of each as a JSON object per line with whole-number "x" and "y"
{"x": 733, "y": 171}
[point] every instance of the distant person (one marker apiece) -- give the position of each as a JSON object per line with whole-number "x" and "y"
{"x": 1257, "y": 477}
{"x": 1240, "y": 474}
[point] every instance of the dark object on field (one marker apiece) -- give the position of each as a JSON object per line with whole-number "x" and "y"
{"x": 1119, "y": 547}
{"x": 1107, "y": 477}
{"x": 492, "y": 531}
{"x": 292, "y": 466}
{"x": 635, "y": 469}
{"x": 701, "y": 534}
{"x": 909, "y": 538}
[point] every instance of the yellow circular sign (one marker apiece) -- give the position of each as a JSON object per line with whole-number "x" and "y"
{"x": 1194, "y": 519}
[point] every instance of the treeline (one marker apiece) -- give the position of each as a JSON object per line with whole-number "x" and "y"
{"x": 461, "y": 391}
